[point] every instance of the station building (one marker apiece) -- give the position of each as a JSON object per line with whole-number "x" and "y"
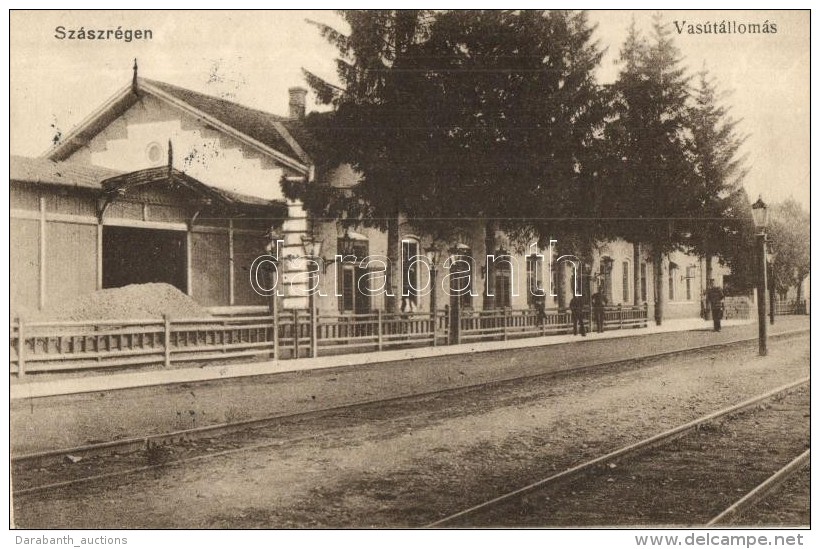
{"x": 165, "y": 184}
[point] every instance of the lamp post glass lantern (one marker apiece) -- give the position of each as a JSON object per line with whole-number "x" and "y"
{"x": 312, "y": 246}
{"x": 760, "y": 216}
{"x": 347, "y": 248}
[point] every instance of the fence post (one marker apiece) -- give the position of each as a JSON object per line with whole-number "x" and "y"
{"x": 506, "y": 321}
{"x": 454, "y": 316}
{"x": 434, "y": 327}
{"x": 620, "y": 317}
{"x": 458, "y": 323}
{"x": 167, "y": 321}
{"x": 21, "y": 348}
{"x": 296, "y": 333}
{"x": 314, "y": 332}
{"x": 380, "y": 329}
{"x": 274, "y": 313}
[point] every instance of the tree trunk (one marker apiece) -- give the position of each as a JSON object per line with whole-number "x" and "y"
{"x": 708, "y": 306}
{"x": 708, "y": 269}
{"x": 562, "y": 282}
{"x": 563, "y": 277}
{"x": 490, "y": 228}
{"x": 657, "y": 273}
{"x": 799, "y": 295}
{"x": 392, "y": 272}
{"x": 636, "y": 273}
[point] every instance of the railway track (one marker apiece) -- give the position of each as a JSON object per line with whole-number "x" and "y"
{"x": 152, "y": 442}
{"x": 527, "y": 500}
{"x": 761, "y": 491}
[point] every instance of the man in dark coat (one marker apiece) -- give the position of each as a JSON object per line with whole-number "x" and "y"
{"x": 598, "y": 303}
{"x": 715, "y": 296}
{"x": 576, "y": 307}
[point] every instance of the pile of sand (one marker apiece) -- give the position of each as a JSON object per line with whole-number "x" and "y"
{"x": 136, "y": 301}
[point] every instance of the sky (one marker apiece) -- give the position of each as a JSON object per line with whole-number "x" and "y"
{"x": 254, "y": 57}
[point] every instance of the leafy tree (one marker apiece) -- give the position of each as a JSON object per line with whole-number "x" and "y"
{"x": 788, "y": 232}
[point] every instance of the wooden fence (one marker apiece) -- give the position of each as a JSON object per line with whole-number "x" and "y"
{"x": 737, "y": 308}
{"x": 790, "y": 307}
{"x": 67, "y": 346}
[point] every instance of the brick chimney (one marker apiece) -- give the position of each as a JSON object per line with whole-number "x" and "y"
{"x": 296, "y": 102}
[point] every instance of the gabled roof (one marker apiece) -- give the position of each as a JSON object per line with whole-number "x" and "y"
{"x": 263, "y": 126}
{"x": 94, "y": 178}
{"x": 263, "y": 131}
{"x": 176, "y": 178}
{"x": 65, "y": 174}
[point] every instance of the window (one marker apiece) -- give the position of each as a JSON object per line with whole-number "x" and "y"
{"x": 409, "y": 269}
{"x": 606, "y": 282}
{"x": 690, "y": 276}
{"x": 535, "y": 282}
{"x": 154, "y": 153}
{"x": 348, "y": 300}
{"x": 461, "y": 284}
{"x": 673, "y": 270}
{"x": 503, "y": 282}
{"x": 643, "y": 282}
{"x": 625, "y": 281}
{"x": 581, "y": 279}
{"x": 351, "y": 298}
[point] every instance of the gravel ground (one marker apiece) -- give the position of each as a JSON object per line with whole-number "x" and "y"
{"x": 788, "y": 506}
{"x": 685, "y": 482}
{"x": 60, "y": 422}
{"x": 411, "y": 465}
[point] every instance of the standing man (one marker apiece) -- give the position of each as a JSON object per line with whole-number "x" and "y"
{"x": 598, "y": 303}
{"x": 540, "y": 302}
{"x": 715, "y": 296}
{"x": 576, "y": 307}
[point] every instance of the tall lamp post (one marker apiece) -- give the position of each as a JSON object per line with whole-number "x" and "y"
{"x": 456, "y": 252}
{"x": 760, "y": 215}
{"x": 273, "y": 249}
{"x": 313, "y": 250}
{"x": 312, "y": 247}
{"x": 772, "y": 285}
{"x": 433, "y": 255}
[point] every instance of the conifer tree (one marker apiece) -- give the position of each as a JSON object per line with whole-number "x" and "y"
{"x": 522, "y": 107}
{"x": 461, "y": 116}
{"x": 371, "y": 127}
{"x": 650, "y": 177}
{"x": 719, "y": 172}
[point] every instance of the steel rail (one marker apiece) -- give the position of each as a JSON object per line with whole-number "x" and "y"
{"x": 762, "y": 490}
{"x": 133, "y": 444}
{"x": 630, "y": 449}
{"x": 645, "y": 444}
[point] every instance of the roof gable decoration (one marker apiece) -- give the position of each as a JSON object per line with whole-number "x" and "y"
{"x": 207, "y": 197}
{"x": 257, "y": 129}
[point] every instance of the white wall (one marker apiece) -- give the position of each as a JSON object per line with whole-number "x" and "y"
{"x": 205, "y": 154}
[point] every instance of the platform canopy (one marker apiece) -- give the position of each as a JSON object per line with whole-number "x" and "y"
{"x": 204, "y": 197}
